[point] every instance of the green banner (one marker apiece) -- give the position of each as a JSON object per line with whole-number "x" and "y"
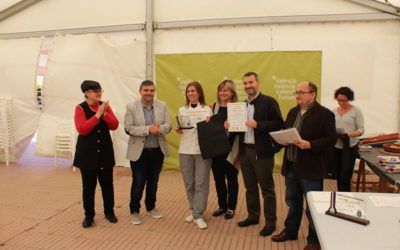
{"x": 279, "y": 73}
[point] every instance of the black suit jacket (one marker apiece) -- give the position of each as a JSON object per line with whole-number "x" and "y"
{"x": 318, "y": 128}
{"x": 269, "y": 118}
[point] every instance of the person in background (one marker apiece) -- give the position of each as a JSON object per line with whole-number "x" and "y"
{"x": 94, "y": 154}
{"x": 195, "y": 170}
{"x": 225, "y": 174}
{"x": 305, "y": 161}
{"x": 257, "y": 151}
{"x": 146, "y": 122}
{"x": 350, "y": 126}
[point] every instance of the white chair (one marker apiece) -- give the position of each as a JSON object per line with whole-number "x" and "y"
{"x": 64, "y": 142}
{"x": 6, "y": 127}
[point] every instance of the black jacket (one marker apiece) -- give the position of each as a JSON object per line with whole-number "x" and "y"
{"x": 319, "y": 129}
{"x": 94, "y": 150}
{"x": 269, "y": 118}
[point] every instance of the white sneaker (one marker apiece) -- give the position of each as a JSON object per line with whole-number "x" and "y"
{"x": 155, "y": 214}
{"x": 135, "y": 219}
{"x": 189, "y": 219}
{"x": 201, "y": 224}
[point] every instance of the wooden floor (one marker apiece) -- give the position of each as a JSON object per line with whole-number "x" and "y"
{"x": 41, "y": 208}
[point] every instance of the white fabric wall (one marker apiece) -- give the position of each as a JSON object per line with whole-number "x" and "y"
{"x": 167, "y": 10}
{"x": 362, "y": 55}
{"x": 18, "y": 63}
{"x": 119, "y": 69}
{"x": 68, "y": 14}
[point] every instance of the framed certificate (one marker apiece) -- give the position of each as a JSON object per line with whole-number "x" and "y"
{"x": 184, "y": 122}
{"x": 237, "y": 117}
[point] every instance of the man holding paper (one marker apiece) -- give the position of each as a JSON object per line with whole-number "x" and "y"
{"x": 305, "y": 160}
{"x": 257, "y": 152}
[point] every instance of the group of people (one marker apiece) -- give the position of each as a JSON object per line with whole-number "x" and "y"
{"x": 147, "y": 122}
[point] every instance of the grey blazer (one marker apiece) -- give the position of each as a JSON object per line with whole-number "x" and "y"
{"x": 136, "y": 127}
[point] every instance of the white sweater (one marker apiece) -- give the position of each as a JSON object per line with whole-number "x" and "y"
{"x": 189, "y": 141}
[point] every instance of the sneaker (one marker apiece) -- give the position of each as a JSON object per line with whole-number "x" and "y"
{"x": 229, "y": 214}
{"x": 155, "y": 214}
{"x": 135, "y": 219}
{"x": 201, "y": 224}
{"x": 189, "y": 219}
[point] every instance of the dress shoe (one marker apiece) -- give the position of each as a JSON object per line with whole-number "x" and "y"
{"x": 229, "y": 214}
{"x": 111, "y": 218}
{"x": 87, "y": 222}
{"x": 313, "y": 247}
{"x": 267, "y": 230}
{"x": 283, "y": 236}
{"x": 247, "y": 222}
{"x": 219, "y": 212}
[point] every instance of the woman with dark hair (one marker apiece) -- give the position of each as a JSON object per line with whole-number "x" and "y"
{"x": 225, "y": 174}
{"x": 349, "y": 126}
{"x": 195, "y": 170}
{"x": 94, "y": 154}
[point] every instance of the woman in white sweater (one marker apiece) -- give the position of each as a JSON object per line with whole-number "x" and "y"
{"x": 195, "y": 170}
{"x": 349, "y": 126}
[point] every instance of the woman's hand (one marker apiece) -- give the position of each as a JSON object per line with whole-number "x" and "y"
{"x": 208, "y": 119}
{"x": 179, "y": 130}
{"x": 100, "y": 111}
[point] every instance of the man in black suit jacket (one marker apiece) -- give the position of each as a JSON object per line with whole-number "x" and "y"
{"x": 305, "y": 162}
{"x": 257, "y": 151}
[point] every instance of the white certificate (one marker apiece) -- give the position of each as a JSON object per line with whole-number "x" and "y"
{"x": 286, "y": 137}
{"x": 237, "y": 117}
{"x": 196, "y": 116}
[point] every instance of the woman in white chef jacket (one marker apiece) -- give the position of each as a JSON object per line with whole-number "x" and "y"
{"x": 195, "y": 170}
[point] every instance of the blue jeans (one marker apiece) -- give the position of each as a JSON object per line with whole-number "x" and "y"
{"x": 296, "y": 190}
{"x": 145, "y": 172}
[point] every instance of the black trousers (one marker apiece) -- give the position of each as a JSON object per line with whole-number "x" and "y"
{"x": 226, "y": 182}
{"x": 145, "y": 172}
{"x": 89, "y": 182}
{"x": 345, "y": 167}
{"x": 258, "y": 172}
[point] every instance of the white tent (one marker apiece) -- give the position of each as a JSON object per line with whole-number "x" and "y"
{"x": 115, "y": 42}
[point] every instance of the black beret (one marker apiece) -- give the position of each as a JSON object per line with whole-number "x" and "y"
{"x": 90, "y": 85}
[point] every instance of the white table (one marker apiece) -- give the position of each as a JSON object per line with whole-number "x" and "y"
{"x": 382, "y": 233}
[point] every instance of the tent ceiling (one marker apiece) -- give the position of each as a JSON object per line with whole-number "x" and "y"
{"x": 11, "y": 7}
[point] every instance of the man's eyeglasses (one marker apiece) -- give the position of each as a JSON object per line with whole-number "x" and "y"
{"x": 300, "y": 93}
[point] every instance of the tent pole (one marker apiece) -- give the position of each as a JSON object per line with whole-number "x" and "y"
{"x": 149, "y": 39}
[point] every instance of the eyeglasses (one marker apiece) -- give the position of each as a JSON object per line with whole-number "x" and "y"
{"x": 342, "y": 100}
{"x": 96, "y": 91}
{"x": 300, "y": 93}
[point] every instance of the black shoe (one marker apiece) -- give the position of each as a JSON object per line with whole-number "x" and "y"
{"x": 267, "y": 230}
{"x": 229, "y": 214}
{"x": 87, "y": 222}
{"x": 283, "y": 236}
{"x": 247, "y": 223}
{"x": 219, "y": 212}
{"x": 111, "y": 218}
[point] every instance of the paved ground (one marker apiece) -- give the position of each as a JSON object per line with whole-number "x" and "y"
{"x": 40, "y": 208}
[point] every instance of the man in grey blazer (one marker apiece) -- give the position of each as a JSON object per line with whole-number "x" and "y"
{"x": 146, "y": 122}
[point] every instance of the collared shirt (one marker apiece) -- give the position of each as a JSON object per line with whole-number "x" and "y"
{"x": 151, "y": 140}
{"x": 249, "y": 134}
